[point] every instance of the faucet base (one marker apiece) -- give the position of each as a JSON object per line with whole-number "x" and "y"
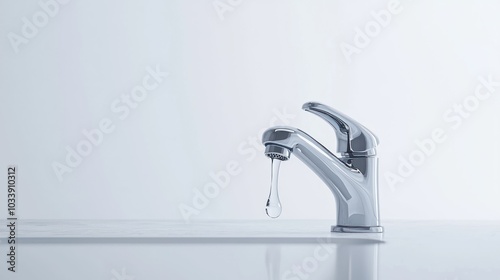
{"x": 377, "y": 229}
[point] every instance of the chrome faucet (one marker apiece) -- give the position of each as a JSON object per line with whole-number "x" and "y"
{"x": 352, "y": 176}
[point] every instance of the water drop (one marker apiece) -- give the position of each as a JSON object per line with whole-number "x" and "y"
{"x": 273, "y": 205}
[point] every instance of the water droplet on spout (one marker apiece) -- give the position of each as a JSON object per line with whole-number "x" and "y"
{"x": 273, "y": 205}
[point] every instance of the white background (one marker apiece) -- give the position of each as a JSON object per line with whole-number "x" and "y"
{"x": 227, "y": 74}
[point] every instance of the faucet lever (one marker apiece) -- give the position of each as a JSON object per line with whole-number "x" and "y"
{"x": 353, "y": 138}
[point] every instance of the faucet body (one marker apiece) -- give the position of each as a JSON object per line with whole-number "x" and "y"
{"x": 352, "y": 177}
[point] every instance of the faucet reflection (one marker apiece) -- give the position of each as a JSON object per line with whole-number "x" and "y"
{"x": 273, "y": 261}
{"x": 339, "y": 259}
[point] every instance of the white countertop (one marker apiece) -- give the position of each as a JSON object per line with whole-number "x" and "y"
{"x": 277, "y": 249}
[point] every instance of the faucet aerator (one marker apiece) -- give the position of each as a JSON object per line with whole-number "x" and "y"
{"x": 277, "y": 152}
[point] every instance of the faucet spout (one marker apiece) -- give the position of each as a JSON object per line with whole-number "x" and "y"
{"x": 351, "y": 177}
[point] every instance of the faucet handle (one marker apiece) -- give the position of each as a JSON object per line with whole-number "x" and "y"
{"x": 352, "y": 137}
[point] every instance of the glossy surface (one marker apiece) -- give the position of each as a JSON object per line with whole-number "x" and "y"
{"x": 256, "y": 250}
{"x": 352, "y": 137}
{"x": 352, "y": 177}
